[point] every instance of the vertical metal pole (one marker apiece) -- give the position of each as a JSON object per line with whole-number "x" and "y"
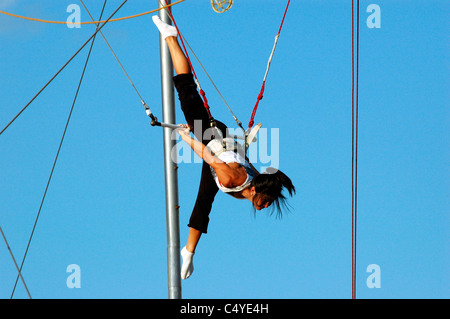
{"x": 170, "y": 166}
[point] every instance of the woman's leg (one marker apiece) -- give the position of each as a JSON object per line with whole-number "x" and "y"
{"x": 194, "y": 112}
{"x": 193, "y": 239}
{"x": 180, "y": 63}
{"x": 193, "y": 109}
{"x": 169, "y": 34}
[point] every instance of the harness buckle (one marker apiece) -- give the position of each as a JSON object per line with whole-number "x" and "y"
{"x": 250, "y": 135}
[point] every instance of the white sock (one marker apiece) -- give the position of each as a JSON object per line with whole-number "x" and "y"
{"x": 188, "y": 266}
{"x": 165, "y": 29}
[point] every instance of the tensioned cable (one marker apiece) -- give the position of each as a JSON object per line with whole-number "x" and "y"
{"x": 15, "y": 263}
{"x": 57, "y": 153}
{"x": 190, "y": 48}
{"x": 62, "y": 68}
{"x": 239, "y": 123}
{"x": 146, "y": 107}
{"x": 263, "y": 86}
{"x": 115, "y": 56}
{"x": 82, "y": 23}
{"x": 355, "y": 110}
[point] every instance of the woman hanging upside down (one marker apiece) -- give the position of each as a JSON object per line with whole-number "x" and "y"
{"x": 227, "y": 170}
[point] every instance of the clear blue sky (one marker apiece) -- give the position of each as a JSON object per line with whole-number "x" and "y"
{"x": 105, "y": 208}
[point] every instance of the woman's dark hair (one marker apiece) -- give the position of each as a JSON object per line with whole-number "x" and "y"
{"x": 269, "y": 186}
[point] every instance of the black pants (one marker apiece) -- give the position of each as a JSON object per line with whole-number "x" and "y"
{"x": 196, "y": 114}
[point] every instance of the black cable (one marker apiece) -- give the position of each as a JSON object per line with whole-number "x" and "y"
{"x": 15, "y": 263}
{"x": 355, "y": 111}
{"x": 57, "y": 153}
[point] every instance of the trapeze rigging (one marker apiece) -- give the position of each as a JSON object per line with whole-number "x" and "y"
{"x": 225, "y": 165}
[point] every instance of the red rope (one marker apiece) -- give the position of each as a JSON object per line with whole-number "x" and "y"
{"x": 355, "y": 110}
{"x": 261, "y": 93}
{"x": 284, "y": 16}
{"x": 202, "y": 93}
{"x": 255, "y": 108}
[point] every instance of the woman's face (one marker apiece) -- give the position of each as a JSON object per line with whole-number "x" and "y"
{"x": 261, "y": 202}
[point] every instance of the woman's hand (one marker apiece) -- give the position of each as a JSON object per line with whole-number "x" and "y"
{"x": 184, "y": 132}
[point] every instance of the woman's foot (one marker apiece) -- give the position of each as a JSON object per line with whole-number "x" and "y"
{"x": 188, "y": 266}
{"x": 165, "y": 29}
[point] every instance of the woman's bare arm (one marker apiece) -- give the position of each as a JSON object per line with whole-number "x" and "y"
{"x": 228, "y": 176}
